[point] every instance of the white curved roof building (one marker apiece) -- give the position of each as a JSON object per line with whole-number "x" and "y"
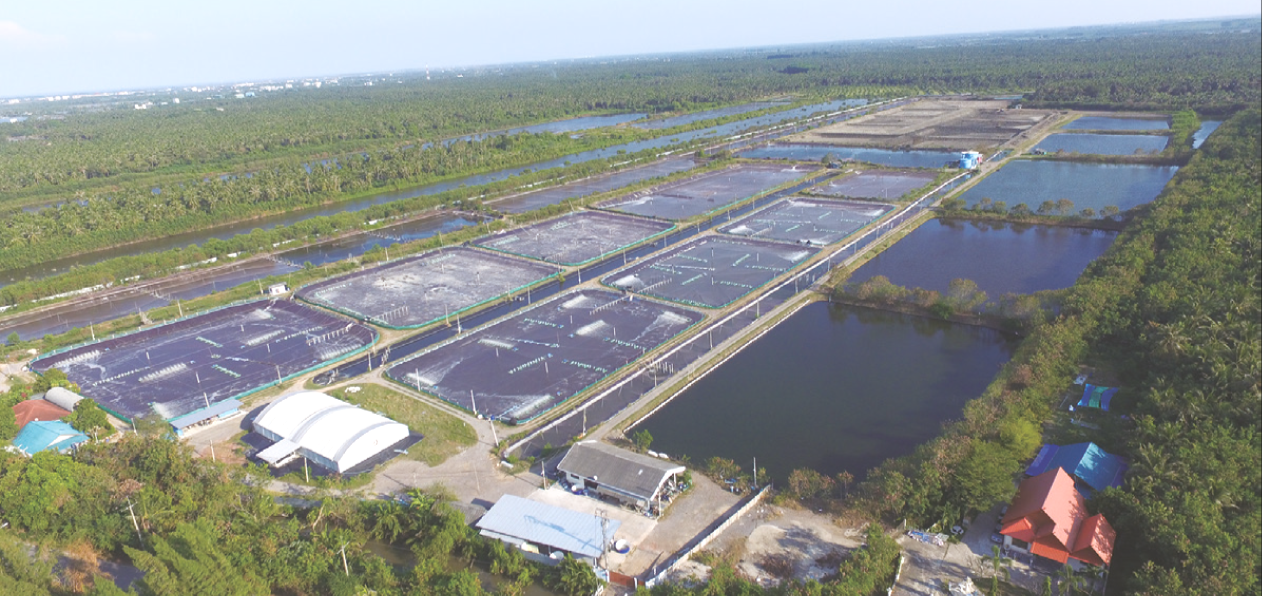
{"x": 325, "y": 430}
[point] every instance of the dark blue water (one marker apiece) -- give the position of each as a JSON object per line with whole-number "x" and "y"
{"x": 918, "y": 158}
{"x": 1106, "y": 123}
{"x": 1104, "y": 144}
{"x": 1000, "y": 257}
{"x": 1086, "y": 184}
{"x": 598, "y": 184}
{"x": 1207, "y": 128}
{"x": 833, "y": 388}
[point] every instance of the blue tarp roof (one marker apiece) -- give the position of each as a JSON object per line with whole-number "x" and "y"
{"x": 1094, "y": 396}
{"x": 1096, "y": 467}
{"x": 42, "y": 435}
{"x": 540, "y": 523}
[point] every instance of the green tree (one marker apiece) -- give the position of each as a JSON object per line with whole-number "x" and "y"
{"x": 90, "y": 419}
{"x": 643, "y": 439}
{"x": 985, "y": 477}
{"x": 575, "y": 578}
{"x": 190, "y": 558}
{"x": 999, "y": 565}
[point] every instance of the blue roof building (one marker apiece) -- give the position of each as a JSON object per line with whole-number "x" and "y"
{"x": 1086, "y": 462}
{"x": 43, "y": 435}
{"x": 542, "y": 529}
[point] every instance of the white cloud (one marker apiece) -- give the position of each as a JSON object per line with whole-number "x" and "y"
{"x": 14, "y": 34}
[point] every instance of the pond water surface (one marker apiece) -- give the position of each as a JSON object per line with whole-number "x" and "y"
{"x": 1000, "y": 257}
{"x": 832, "y": 388}
{"x": 1104, "y": 144}
{"x": 917, "y": 158}
{"x": 1091, "y": 185}
{"x": 1108, "y": 123}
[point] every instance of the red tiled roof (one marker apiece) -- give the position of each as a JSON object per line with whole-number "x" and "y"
{"x": 37, "y": 409}
{"x": 1094, "y": 543}
{"x": 1050, "y": 514}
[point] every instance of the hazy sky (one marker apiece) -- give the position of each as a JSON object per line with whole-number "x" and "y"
{"x": 61, "y": 46}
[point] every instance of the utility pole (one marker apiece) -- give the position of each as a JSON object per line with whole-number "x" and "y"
{"x": 345, "y": 569}
{"x": 133, "y": 521}
{"x": 305, "y": 473}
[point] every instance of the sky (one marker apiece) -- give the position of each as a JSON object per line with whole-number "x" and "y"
{"x": 66, "y": 46}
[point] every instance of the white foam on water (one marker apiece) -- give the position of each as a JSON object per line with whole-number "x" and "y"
{"x": 741, "y": 230}
{"x": 628, "y": 280}
{"x": 576, "y": 302}
{"x": 591, "y": 329}
{"x": 672, "y": 318}
{"x": 496, "y": 343}
{"x": 797, "y": 256}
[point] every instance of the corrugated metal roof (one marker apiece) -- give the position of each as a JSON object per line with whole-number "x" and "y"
{"x": 540, "y": 523}
{"x": 637, "y": 475}
{"x": 278, "y": 451}
{"x": 1086, "y": 461}
{"x": 215, "y": 409}
{"x": 33, "y": 410}
{"x": 45, "y": 435}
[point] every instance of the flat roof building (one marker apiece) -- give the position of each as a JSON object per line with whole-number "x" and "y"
{"x": 327, "y": 431}
{"x": 547, "y": 532}
{"x": 635, "y": 480}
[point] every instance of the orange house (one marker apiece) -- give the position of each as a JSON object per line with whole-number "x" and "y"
{"x": 1050, "y": 516}
{"x": 37, "y": 409}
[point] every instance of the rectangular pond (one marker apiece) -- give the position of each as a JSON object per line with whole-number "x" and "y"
{"x": 811, "y": 222}
{"x": 876, "y": 184}
{"x": 917, "y": 158}
{"x": 1091, "y": 185}
{"x": 523, "y": 366}
{"x": 832, "y": 388}
{"x": 711, "y": 271}
{"x": 1096, "y": 144}
{"x": 707, "y": 192}
{"x": 999, "y": 256}
{"x": 597, "y": 184}
{"x": 179, "y": 367}
{"x": 1111, "y": 123}
{"x": 576, "y": 238}
{"x": 427, "y": 288}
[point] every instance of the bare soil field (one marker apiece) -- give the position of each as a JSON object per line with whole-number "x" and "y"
{"x": 955, "y": 124}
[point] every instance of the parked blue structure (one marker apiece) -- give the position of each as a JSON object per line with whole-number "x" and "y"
{"x": 1086, "y": 462}
{"x": 47, "y": 435}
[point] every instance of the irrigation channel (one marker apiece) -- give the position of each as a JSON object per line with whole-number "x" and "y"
{"x": 648, "y": 375}
{"x": 720, "y": 134}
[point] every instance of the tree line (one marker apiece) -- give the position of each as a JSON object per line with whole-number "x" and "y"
{"x": 1174, "y": 307}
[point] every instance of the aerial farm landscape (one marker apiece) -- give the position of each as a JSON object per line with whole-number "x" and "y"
{"x": 961, "y": 313}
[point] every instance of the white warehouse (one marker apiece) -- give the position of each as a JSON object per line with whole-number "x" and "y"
{"x": 325, "y": 430}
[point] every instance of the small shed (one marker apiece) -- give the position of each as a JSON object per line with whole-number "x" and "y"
{"x": 639, "y": 481}
{"x": 545, "y": 533}
{"x": 277, "y": 289}
{"x": 53, "y": 435}
{"x": 205, "y": 416}
{"x": 63, "y": 398}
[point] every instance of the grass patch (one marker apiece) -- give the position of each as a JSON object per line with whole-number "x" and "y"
{"x": 445, "y": 435}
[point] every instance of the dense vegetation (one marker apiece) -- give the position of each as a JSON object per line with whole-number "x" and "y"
{"x": 205, "y": 527}
{"x": 1173, "y": 307}
{"x": 1165, "y": 70}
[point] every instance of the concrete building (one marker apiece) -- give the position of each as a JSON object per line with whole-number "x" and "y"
{"x": 545, "y": 533}
{"x": 639, "y": 481}
{"x": 327, "y": 431}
